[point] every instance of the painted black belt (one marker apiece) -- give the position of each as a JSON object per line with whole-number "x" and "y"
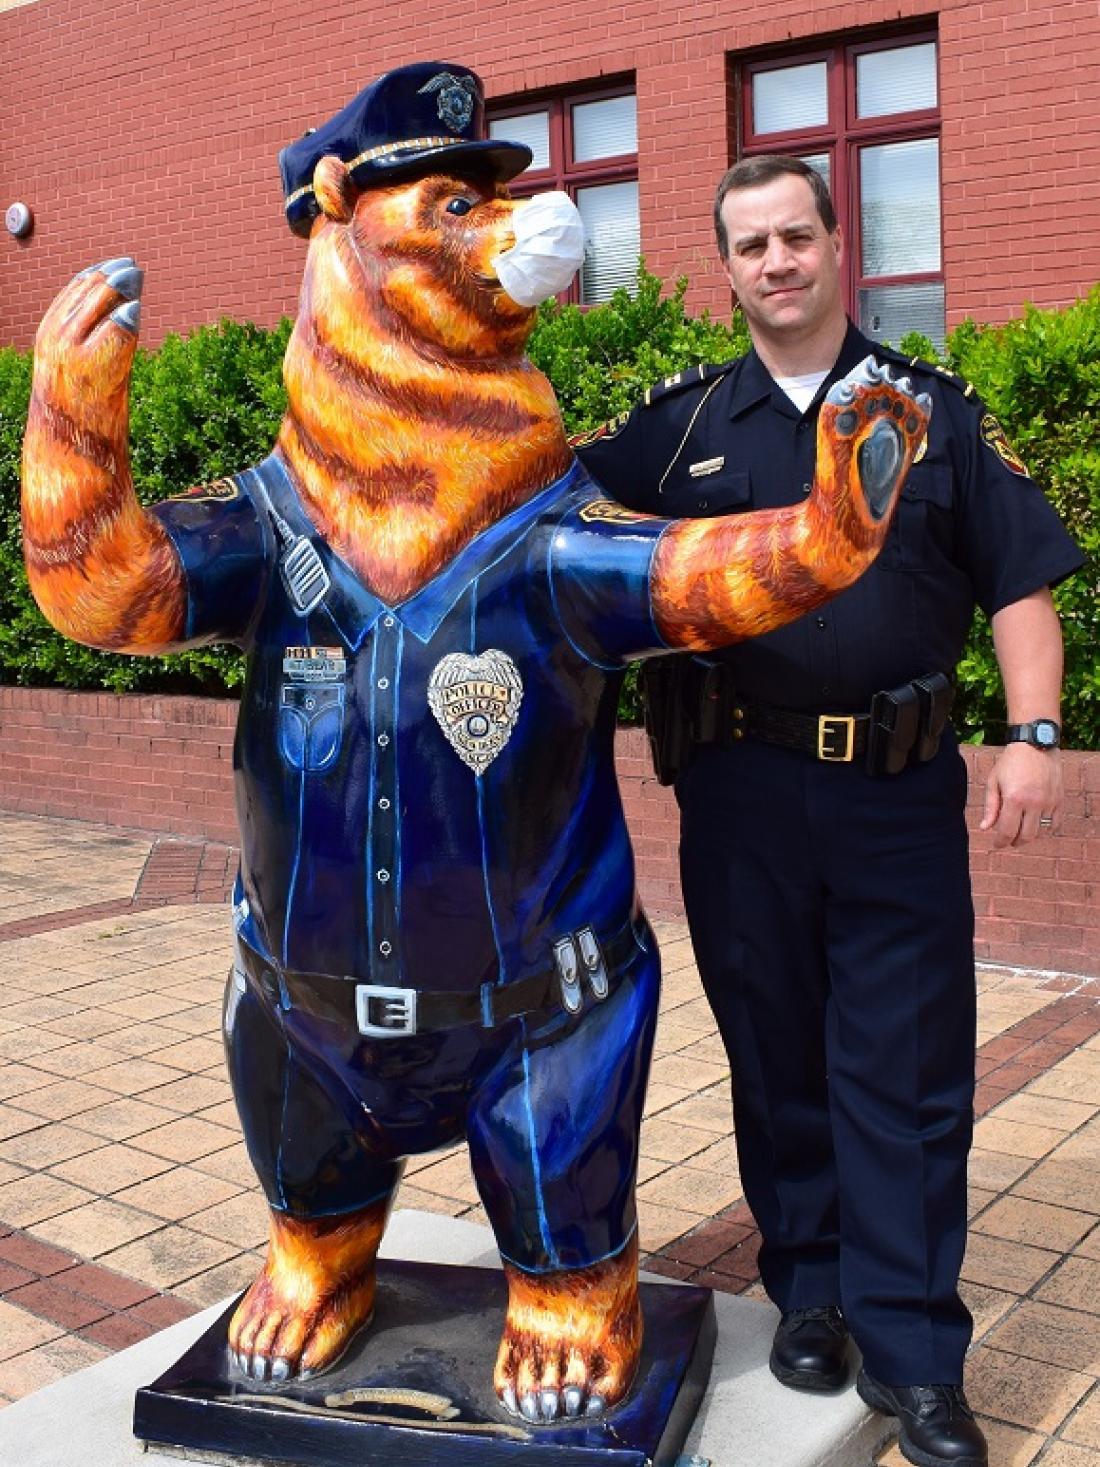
{"x": 904, "y": 724}
{"x": 580, "y": 962}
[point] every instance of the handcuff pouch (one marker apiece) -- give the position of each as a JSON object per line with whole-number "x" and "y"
{"x": 894, "y": 729}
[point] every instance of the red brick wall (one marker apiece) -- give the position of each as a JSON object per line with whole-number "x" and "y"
{"x": 151, "y": 127}
{"x": 150, "y": 763}
{"x": 165, "y": 764}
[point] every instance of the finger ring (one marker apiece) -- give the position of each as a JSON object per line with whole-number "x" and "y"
{"x": 1046, "y": 819}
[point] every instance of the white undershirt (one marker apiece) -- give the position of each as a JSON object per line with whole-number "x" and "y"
{"x": 802, "y": 390}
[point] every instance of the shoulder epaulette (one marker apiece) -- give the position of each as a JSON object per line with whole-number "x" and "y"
{"x": 689, "y": 377}
{"x": 919, "y": 364}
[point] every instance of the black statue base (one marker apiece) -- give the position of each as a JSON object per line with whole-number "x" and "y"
{"x": 424, "y": 1371}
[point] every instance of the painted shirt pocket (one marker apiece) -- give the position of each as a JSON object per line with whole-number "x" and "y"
{"x": 311, "y": 725}
{"x": 923, "y": 518}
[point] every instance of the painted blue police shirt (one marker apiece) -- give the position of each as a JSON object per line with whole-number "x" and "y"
{"x": 426, "y": 792}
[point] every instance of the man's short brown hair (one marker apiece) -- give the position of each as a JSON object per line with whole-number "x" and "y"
{"x": 754, "y": 173}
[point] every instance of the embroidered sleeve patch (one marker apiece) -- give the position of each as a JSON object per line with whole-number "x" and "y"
{"x": 993, "y": 436}
{"x": 605, "y": 430}
{"x": 219, "y": 489}
{"x": 607, "y": 512}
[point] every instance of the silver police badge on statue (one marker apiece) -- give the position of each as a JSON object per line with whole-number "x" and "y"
{"x": 455, "y": 102}
{"x": 476, "y": 703}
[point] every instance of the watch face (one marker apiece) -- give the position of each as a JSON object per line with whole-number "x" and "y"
{"x": 1046, "y": 733}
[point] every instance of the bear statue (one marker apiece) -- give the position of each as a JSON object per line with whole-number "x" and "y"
{"x": 437, "y": 932}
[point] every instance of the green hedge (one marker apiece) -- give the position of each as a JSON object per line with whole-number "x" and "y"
{"x": 201, "y": 407}
{"x": 210, "y": 403}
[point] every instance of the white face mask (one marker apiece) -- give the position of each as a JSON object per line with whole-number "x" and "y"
{"x": 548, "y": 251}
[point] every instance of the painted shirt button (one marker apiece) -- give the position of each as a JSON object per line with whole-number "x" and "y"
{"x": 383, "y": 682}
{"x": 387, "y": 621}
{"x": 383, "y": 876}
{"x": 383, "y": 740}
{"x": 383, "y": 803}
{"x": 385, "y": 949}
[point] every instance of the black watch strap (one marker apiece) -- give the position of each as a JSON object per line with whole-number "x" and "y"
{"x": 1041, "y": 733}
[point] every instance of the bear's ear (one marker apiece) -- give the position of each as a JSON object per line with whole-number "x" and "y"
{"x": 333, "y": 189}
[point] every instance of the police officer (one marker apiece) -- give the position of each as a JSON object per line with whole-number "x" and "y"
{"x": 823, "y": 845}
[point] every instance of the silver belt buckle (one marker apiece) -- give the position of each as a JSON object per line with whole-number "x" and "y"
{"x": 382, "y": 1013}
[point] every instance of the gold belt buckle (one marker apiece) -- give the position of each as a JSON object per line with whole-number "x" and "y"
{"x": 830, "y": 727}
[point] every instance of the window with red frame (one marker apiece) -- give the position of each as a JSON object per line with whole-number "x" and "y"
{"x": 866, "y": 116}
{"x": 587, "y": 145}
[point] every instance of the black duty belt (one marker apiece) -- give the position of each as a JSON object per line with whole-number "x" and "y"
{"x": 903, "y": 726}
{"x": 837, "y": 738}
{"x": 378, "y": 1010}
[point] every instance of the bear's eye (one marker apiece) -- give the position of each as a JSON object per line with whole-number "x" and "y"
{"x": 459, "y": 206}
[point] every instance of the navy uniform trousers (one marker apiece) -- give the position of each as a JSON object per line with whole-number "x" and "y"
{"x": 811, "y": 895}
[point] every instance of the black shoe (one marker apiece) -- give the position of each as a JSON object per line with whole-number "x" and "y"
{"x": 937, "y": 1426}
{"x": 810, "y": 1351}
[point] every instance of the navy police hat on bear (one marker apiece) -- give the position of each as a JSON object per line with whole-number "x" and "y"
{"x": 409, "y": 120}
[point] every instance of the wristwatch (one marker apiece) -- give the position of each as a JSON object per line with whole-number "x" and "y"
{"x": 1043, "y": 733}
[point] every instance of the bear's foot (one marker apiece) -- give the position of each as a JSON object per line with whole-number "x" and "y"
{"x": 315, "y": 1291}
{"x": 571, "y": 1340}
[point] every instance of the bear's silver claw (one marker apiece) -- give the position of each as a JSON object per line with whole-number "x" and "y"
{"x": 595, "y": 1406}
{"x": 110, "y": 267}
{"x": 867, "y": 372}
{"x": 280, "y": 1368}
{"x": 841, "y": 393}
{"x": 127, "y": 281}
{"x": 573, "y": 1399}
{"x": 905, "y": 384}
{"x": 551, "y": 1406}
{"x": 128, "y": 316}
{"x": 529, "y": 1407}
{"x": 924, "y": 402}
{"x": 508, "y": 1401}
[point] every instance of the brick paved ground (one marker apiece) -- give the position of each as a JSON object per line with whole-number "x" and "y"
{"x": 126, "y": 1199}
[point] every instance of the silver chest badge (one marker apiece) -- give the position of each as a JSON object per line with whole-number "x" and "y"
{"x": 476, "y": 703}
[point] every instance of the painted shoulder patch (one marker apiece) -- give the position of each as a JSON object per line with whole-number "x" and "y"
{"x": 605, "y": 430}
{"x": 993, "y": 436}
{"x": 607, "y": 512}
{"x": 219, "y": 489}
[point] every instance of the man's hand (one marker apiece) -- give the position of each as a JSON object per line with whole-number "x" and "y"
{"x": 1024, "y": 788}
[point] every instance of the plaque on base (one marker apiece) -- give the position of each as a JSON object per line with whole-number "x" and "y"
{"x": 415, "y": 1389}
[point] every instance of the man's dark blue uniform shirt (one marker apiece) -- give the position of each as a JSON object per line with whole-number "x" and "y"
{"x": 971, "y": 527}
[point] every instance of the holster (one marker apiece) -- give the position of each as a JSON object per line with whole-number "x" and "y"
{"x": 665, "y": 684}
